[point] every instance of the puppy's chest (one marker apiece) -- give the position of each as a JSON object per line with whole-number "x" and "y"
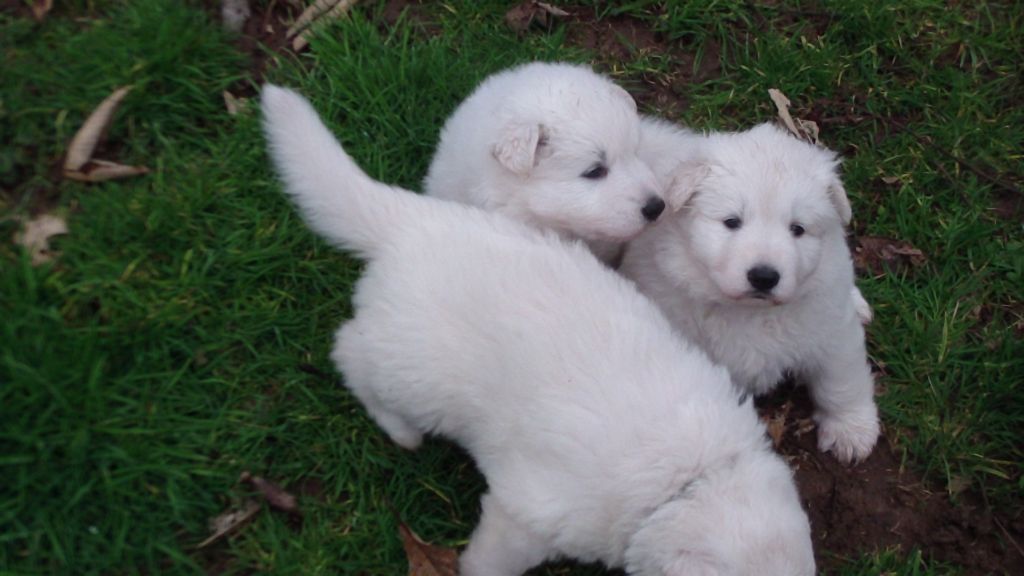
{"x": 758, "y": 349}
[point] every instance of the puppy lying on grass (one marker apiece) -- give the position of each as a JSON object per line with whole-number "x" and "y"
{"x": 553, "y": 145}
{"x": 602, "y": 435}
{"x": 755, "y": 269}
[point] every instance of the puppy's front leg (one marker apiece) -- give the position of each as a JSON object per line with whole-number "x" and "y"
{"x": 500, "y": 546}
{"x": 844, "y": 396}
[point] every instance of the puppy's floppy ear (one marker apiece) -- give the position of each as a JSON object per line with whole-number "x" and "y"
{"x": 837, "y": 194}
{"x": 516, "y": 148}
{"x": 684, "y": 181}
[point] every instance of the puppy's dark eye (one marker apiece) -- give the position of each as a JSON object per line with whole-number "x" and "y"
{"x": 732, "y": 223}
{"x": 596, "y": 172}
{"x": 797, "y": 230}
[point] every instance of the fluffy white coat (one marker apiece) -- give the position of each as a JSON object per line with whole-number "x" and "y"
{"x": 602, "y": 435}
{"x": 754, "y": 268}
{"x": 553, "y": 145}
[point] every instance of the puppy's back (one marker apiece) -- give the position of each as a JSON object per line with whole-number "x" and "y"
{"x": 557, "y": 376}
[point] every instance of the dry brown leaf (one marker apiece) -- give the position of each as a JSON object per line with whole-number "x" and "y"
{"x": 875, "y": 253}
{"x": 810, "y": 130}
{"x": 40, "y": 8}
{"x": 776, "y": 424}
{"x": 776, "y": 427}
{"x": 803, "y": 129}
{"x": 233, "y": 103}
{"x": 553, "y": 10}
{"x": 229, "y": 522}
{"x": 338, "y": 10}
{"x": 312, "y": 12}
{"x": 524, "y": 15}
{"x": 803, "y": 426}
{"x": 79, "y": 163}
{"x": 427, "y": 559}
{"x": 35, "y": 236}
{"x": 890, "y": 179}
{"x": 84, "y": 143}
{"x": 782, "y": 105}
{"x": 276, "y": 496}
{"x": 101, "y": 170}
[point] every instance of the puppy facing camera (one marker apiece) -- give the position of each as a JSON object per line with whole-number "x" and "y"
{"x": 554, "y": 145}
{"x": 754, "y": 268}
{"x": 603, "y": 435}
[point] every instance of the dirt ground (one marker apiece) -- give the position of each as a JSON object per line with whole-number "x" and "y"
{"x": 875, "y": 505}
{"x": 879, "y": 504}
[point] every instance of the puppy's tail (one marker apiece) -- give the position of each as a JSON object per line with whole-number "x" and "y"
{"x": 338, "y": 200}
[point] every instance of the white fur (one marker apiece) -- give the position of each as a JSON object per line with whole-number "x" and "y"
{"x": 521, "y": 142}
{"x": 602, "y": 435}
{"x": 696, "y": 269}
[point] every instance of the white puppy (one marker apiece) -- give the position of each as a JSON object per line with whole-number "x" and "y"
{"x": 554, "y": 145}
{"x": 602, "y": 435}
{"x": 754, "y": 268}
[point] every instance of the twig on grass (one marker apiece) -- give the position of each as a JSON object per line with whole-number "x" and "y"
{"x": 313, "y": 370}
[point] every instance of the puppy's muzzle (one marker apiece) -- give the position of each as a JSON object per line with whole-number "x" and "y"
{"x": 653, "y": 208}
{"x": 763, "y": 278}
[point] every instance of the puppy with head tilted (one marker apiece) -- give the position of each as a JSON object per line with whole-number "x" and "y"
{"x": 754, "y": 268}
{"x": 553, "y": 145}
{"x": 603, "y": 436}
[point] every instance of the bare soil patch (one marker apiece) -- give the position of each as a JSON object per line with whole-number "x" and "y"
{"x": 263, "y": 36}
{"x": 416, "y": 13}
{"x": 879, "y": 504}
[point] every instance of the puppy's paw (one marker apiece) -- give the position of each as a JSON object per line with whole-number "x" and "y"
{"x": 861, "y": 306}
{"x": 849, "y": 436}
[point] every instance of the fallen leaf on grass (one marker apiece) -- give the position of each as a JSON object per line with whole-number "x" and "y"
{"x": 524, "y": 15}
{"x": 229, "y": 522}
{"x": 88, "y": 136}
{"x": 427, "y": 559}
{"x": 276, "y": 496}
{"x": 875, "y": 253}
{"x": 40, "y": 8}
{"x": 312, "y": 12}
{"x": 328, "y": 10}
{"x": 79, "y": 163}
{"x": 233, "y": 103}
{"x": 101, "y": 170}
{"x": 36, "y": 234}
{"x": 805, "y": 130}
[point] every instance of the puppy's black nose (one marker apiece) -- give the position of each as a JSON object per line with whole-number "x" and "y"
{"x": 763, "y": 278}
{"x": 653, "y": 208}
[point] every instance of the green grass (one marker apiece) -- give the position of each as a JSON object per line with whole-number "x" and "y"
{"x": 164, "y": 351}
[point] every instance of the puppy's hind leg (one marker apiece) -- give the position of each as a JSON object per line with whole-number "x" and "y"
{"x": 501, "y": 546}
{"x": 354, "y": 355}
